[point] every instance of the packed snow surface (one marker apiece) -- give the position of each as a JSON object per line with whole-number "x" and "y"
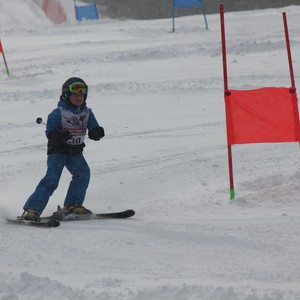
{"x": 159, "y": 96}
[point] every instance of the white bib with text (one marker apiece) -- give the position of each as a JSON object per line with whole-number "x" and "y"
{"x": 75, "y": 124}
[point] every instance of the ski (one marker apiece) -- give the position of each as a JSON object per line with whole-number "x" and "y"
{"x": 44, "y": 224}
{"x": 59, "y": 216}
{"x": 56, "y": 217}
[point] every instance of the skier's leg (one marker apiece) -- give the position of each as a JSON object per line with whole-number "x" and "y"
{"x": 40, "y": 197}
{"x": 80, "y": 171}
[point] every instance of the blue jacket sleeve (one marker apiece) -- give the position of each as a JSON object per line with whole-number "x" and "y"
{"x": 92, "y": 122}
{"x": 53, "y": 121}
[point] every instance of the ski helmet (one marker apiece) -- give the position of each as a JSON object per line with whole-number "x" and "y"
{"x": 66, "y": 93}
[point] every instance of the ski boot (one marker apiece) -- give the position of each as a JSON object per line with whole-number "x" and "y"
{"x": 75, "y": 209}
{"x": 30, "y": 215}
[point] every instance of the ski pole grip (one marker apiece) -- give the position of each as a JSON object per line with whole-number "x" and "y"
{"x": 39, "y": 120}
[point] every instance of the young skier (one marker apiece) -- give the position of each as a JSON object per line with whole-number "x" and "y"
{"x": 66, "y": 129}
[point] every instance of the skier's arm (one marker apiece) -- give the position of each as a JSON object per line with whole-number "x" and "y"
{"x": 54, "y": 131}
{"x": 53, "y": 121}
{"x": 95, "y": 131}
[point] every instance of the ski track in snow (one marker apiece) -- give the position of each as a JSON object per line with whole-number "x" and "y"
{"x": 160, "y": 98}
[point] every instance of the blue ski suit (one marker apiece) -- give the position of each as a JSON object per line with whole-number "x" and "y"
{"x": 66, "y": 129}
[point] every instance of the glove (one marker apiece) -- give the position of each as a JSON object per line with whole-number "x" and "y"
{"x": 96, "y": 133}
{"x": 59, "y": 136}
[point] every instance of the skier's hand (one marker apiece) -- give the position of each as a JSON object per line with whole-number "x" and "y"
{"x": 59, "y": 136}
{"x": 96, "y": 133}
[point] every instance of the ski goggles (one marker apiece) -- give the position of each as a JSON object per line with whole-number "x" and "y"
{"x": 78, "y": 87}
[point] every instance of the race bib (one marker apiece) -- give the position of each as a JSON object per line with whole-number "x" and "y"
{"x": 75, "y": 124}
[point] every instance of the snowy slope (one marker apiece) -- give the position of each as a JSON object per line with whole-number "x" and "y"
{"x": 160, "y": 98}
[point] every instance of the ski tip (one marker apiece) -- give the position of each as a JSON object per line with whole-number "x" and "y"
{"x": 130, "y": 212}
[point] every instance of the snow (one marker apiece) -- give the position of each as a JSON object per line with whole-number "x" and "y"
{"x": 159, "y": 96}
